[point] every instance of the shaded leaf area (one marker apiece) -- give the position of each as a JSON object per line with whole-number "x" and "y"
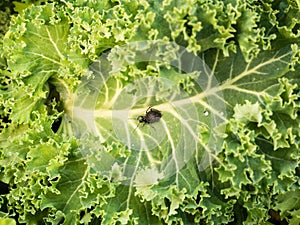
{"x": 288, "y": 204}
{"x": 5, "y": 14}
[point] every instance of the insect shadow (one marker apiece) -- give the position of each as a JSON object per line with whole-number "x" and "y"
{"x": 152, "y": 116}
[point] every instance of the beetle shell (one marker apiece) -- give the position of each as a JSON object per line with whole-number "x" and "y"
{"x": 152, "y": 116}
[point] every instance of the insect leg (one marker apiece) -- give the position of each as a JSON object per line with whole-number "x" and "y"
{"x": 149, "y": 109}
{"x": 152, "y": 127}
{"x": 136, "y": 128}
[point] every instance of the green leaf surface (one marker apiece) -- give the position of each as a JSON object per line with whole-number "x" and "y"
{"x": 105, "y": 106}
{"x": 69, "y": 187}
{"x": 289, "y": 206}
{"x": 79, "y": 143}
{"x": 41, "y": 53}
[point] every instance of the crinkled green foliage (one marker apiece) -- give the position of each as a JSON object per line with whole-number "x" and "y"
{"x": 54, "y": 177}
{"x": 289, "y": 204}
{"x": 4, "y": 19}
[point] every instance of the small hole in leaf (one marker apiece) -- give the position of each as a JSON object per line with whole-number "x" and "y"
{"x": 56, "y": 125}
